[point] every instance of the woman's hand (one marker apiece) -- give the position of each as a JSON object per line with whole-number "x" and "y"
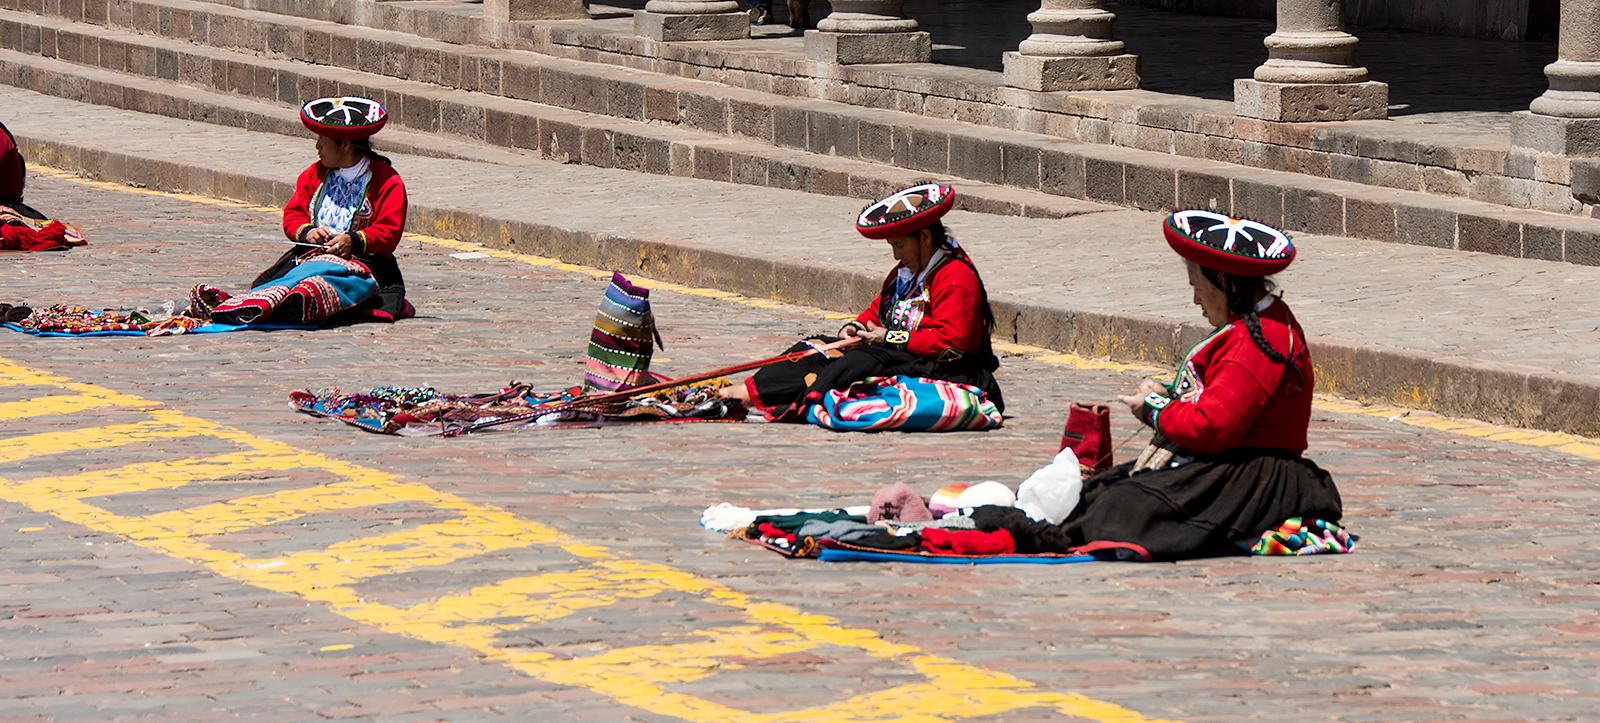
{"x": 341, "y": 245}
{"x": 319, "y": 235}
{"x": 1146, "y": 386}
{"x": 873, "y": 334}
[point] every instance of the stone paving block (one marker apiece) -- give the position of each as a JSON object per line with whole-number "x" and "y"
{"x": 1104, "y": 180}
{"x": 1425, "y": 227}
{"x": 1490, "y": 235}
{"x": 1370, "y": 218}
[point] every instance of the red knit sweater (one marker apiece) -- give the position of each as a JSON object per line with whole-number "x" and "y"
{"x": 951, "y": 326}
{"x": 376, "y": 227}
{"x": 1228, "y": 393}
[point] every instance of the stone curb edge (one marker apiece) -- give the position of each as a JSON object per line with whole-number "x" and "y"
{"x": 1373, "y": 375}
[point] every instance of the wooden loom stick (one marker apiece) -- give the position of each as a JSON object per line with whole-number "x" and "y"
{"x": 639, "y": 391}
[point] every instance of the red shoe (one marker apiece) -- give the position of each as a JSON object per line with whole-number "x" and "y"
{"x": 1088, "y": 433}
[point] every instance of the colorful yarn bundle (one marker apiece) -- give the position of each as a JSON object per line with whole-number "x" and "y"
{"x": 77, "y": 320}
{"x": 1299, "y": 537}
{"x": 619, "y": 346}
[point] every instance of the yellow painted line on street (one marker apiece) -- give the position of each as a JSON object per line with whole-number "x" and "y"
{"x": 487, "y": 618}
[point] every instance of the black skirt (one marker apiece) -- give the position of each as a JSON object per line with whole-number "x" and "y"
{"x": 781, "y": 386}
{"x": 1195, "y": 510}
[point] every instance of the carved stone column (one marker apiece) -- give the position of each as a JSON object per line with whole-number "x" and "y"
{"x": 509, "y": 10}
{"x": 1310, "y": 73}
{"x": 692, "y": 20}
{"x": 1565, "y": 121}
{"x": 1071, "y": 48}
{"x": 868, "y": 31}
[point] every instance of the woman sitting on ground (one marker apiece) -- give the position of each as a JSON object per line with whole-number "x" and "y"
{"x": 1225, "y": 464}
{"x": 347, "y": 215}
{"x": 931, "y": 319}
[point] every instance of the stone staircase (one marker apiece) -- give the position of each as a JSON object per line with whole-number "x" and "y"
{"x": 228, "y": 65}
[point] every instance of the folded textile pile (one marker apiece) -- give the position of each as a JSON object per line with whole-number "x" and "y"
{"x": 22, "y": 233}
{"x": 1297, "y": 536}
{"x": 411, "y": 411}
{"x": 905, "y": 404}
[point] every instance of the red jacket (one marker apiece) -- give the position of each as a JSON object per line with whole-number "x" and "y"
{"x": 1229, "y": 393}
{"x": 951, "y": 326}
{"x": 13, "y": 177}
{"x": 376, "y": 227}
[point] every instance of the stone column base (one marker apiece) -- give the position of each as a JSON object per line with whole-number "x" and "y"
{"x": 513, "y": 10}
{"x": 673, "y": 27}
{"x": 1102, "y": 72}
{"x": 1554, "y": 135}
{"x": 1310, "y": 102}
{"x": 860, "y": 48}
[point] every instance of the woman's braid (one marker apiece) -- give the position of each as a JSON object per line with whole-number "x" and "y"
{"x": 1241, "y": 294}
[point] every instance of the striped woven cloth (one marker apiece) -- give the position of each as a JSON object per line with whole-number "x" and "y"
{"x": 905, "y": 404}
{"x": 619, "y": 346}
{"x": 1298, "y": 536}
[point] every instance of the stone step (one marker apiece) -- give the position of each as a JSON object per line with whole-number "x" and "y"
{"x": 456, "y": 124}
{"x": 1022, "y": 161}
{"x": 1459, "y": 333}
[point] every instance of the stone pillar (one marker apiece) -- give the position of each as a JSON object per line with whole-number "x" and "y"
{"x": 868, "y": 31}
{"x": 1310, "y": 74}
{"x": 1071, "y": 48}
{"x": 692, "y": 20}
{"x": 509, "y": 10}
{"x": 1565, "y": 121}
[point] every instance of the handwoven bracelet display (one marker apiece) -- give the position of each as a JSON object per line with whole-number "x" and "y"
{"x": 344, "y": 118}
{"x": 907, "y": 211}
{"x": 1231, "y": 245}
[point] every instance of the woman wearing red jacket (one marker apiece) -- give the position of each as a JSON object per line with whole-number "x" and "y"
{"x": 931, "y": 319}
{"x": 1226, "y": 461}
{"x": 350, "y": 203}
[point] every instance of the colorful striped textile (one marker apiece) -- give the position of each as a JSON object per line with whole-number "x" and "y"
{"x": 319, "y": 287}
{"x": 1301, "y": 537}
{"x": 620, "y": 345}
{"x": 22, "y": 233}
{"x": 905, "y": 404}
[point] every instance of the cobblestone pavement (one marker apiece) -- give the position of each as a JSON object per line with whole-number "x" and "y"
{"x": 317, "y": 572}
{"x": 1452, "y": 306}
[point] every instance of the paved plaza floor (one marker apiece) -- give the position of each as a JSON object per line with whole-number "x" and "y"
{"x": 177, "y": 545}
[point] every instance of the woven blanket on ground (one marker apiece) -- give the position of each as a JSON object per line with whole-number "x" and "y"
{"x": 20, "y": 233}
{"x": 1298, "y": 536}
{"x": 319, "y": 287}
{"x": 905, "y": 404}
{"x": 65, "y": 320}
{"x": 417, "y": 412}
{"x": 620, "y": 345}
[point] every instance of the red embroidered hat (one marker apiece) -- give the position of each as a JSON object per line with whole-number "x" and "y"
{"x": 1231, "y": 245}
{"x": 907, "y": 211}
{"x": 344, "y": 118}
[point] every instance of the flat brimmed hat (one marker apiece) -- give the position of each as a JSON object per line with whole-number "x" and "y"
{"x": 345, "y": 118}
{"x": 1231, "y": 245}
{"x": 907, "y": 211}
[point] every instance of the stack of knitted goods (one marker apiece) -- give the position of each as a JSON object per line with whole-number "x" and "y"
{"x": 620, "y": 345}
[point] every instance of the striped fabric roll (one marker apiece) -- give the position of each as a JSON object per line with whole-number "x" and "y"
{"x": 619, "y": 346}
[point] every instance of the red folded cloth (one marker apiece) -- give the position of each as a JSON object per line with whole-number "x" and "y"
{"x": 16, "y": 237}
{"x": 967, "y": 542}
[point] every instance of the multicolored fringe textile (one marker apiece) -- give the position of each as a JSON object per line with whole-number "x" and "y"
{"x": 1300, "y": 537}
{"x": 619, "y": 346}
{"x": 905, "y": 404}
{"x": 416, "y": 412}
{"x": 66, "y": 320}
{"x": 319, "y": 287}
{"x": 20, "y": 233}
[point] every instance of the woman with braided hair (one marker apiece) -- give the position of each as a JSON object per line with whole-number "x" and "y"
{"x": 1225, "y": 464}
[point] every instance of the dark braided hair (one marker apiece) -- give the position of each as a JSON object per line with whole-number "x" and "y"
{"x": 1241, "y": 292}
{"x": 941, "y": 240}
{"x": 363, "y": 147}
